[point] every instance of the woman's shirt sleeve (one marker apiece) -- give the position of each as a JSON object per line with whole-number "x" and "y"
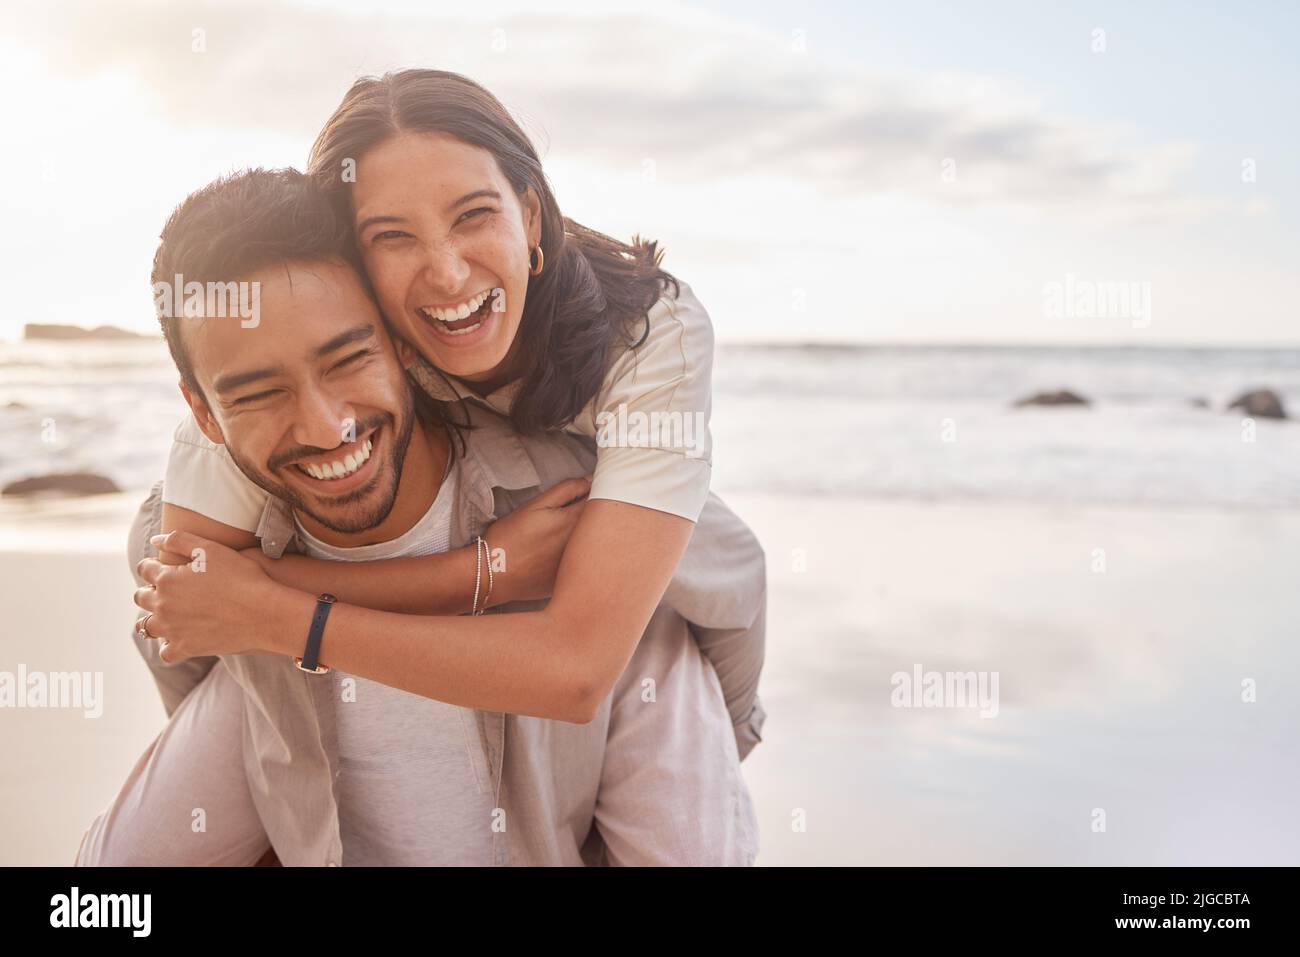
{"x": 651, "y": 417}
{"x": 202, "y": 477}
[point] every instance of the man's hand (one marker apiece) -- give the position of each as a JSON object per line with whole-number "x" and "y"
{"x": 532, "y": 539}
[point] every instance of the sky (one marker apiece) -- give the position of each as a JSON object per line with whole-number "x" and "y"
{"x": 876, "y": 172}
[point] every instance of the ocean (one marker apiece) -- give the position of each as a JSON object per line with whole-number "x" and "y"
{"x": 915, "y": 422}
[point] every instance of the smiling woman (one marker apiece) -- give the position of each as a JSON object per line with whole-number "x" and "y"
{"x": 423, "y": 259}
{"x": 449, "y": 200}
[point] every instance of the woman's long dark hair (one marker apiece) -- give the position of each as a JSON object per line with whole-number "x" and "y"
{"x": 594, "y": 292}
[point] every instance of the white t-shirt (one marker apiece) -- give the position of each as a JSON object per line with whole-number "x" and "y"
{"x": 408, "y": 791}
{"x": 650, "y": 422}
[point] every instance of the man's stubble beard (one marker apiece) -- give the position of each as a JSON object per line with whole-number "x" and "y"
{"x": 397, "y": 457}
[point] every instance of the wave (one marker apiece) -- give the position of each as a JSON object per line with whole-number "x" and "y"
{"x": 897, "y": 421}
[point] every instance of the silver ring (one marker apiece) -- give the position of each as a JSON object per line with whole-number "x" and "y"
{"x": 142, "y": 627}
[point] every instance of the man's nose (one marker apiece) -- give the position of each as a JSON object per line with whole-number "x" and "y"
{"x": 322, "y": 419}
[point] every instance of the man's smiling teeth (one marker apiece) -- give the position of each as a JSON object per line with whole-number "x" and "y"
{"x": 341, "y": 468}
{"x": 462, "y": 311}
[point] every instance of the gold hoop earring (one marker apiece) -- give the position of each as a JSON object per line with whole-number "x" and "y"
{"x": 541, "y": 260}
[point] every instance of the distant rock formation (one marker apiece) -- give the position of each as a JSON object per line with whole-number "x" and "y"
{"x": 67, "y": 483}
{"x": 37, "y": 330}
{"x": 1260, "y": 403}
{"x": 1063, "y": 397}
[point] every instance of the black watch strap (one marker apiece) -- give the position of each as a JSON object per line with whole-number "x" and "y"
{"x": 310, "y": 660}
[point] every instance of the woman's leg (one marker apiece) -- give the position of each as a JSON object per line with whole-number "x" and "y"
{"x": 186, "y": 801}
{"x": 671, "y": 789}
{"x": 730, "y": 620}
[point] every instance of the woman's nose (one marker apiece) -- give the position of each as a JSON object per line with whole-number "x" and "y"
{"x": 445, "y": 270}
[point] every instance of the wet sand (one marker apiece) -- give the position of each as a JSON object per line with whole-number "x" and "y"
{"x": 1119, "y": 690}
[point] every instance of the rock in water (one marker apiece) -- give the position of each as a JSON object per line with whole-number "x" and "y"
{"x": 1063, "y": 397}
{"x": 1260, "y": 403}
{"x": 41, "y": 330}
{"x": 67, "y": 483}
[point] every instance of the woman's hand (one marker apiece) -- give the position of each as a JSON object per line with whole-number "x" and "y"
{"x": 215, "y": 601}
{"x": 528, "y": 543}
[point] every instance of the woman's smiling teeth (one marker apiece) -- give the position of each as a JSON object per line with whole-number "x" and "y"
{"x": 339, "y": 468}
{"x": 462, "y": 319}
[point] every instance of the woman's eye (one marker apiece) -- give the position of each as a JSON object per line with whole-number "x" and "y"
{"x": 476, "y": 213}
{"x": 386, "y": 235}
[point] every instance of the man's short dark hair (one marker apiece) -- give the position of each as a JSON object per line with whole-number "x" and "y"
{"x": 240, "y": 224}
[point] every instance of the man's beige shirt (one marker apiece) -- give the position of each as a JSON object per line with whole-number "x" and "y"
{"x": 544, "y": 775}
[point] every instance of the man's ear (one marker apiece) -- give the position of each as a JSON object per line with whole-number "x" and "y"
{"x": 202, "y": 415}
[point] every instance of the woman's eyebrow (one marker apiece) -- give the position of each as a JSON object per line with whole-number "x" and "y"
{"x": 376, "y": 220}
{"x": 477, "y": 194}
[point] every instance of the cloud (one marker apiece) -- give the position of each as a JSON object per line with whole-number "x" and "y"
{"x": 704, "y": 97}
